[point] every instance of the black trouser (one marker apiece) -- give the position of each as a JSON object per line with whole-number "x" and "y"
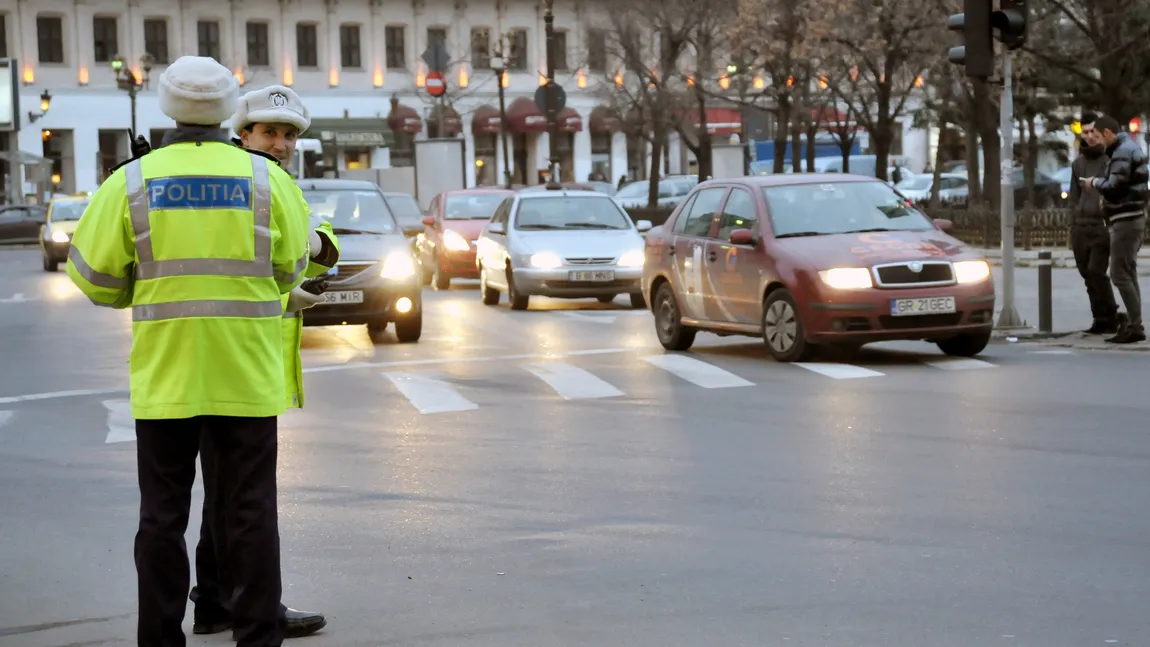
{"x": 212, "y": 593}
{"x": 1091, "y": 245}
{"x": 245, "y": 449}
{"x": 1125, "y": 241}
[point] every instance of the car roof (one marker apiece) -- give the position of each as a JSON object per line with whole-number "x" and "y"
{"x": 478, "y": 190}
{"x": 73, "y": 198}
{"x": 337, "y": 185}
{"x": 787, "y": 179}
{"x": 566, "y": 193}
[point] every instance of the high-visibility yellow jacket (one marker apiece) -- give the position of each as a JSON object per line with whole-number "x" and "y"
{"x": 293, "y": 323}
{"x": 200, "y": 240}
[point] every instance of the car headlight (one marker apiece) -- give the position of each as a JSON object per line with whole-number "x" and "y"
{"x": 971, "y": 271}
{"x": 398, "y": 266}
{"x": 454, "y": 242}
{"x": 847, "y": 278}
{"x": 59, "y": 237}
{"x": 545, "y": 261}
{"x": 633, "y": 258}
{"x": 1065, "y": 195}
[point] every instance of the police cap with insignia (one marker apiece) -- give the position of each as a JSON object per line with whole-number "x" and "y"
{"x": 275, "y": 104}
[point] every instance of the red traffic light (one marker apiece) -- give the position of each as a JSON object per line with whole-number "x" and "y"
{"x": 1135, "y": 124}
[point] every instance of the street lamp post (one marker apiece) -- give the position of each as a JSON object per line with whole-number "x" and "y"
{"x": 45, "y": 103}
{"x": 499, "y": 66}
{"x": 552, "y": 120}
{"x": 126, "y": 80}
{"x": 736, "y": 70}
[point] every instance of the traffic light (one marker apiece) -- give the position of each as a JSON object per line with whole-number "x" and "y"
{"x": 1010, "y": 21}
{"x": 977, "y": 51}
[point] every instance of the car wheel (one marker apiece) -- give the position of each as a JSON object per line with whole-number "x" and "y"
{"x": 673, "y": 335}
{"x": 442, "y": 281}
{"x": 782, "y": 330}
{"x": 637, "y": 301}
{"x": 377, "y": 332}
{"x": 518, "y": 301}
{"x": 490, "y": 295}
{"x": 965, "y": 345}
{"x": 408, "y": 329}
{"x": 50, "y": 266}
{"x": 607, "y": 298}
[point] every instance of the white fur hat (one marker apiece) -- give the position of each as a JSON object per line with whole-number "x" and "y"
{"x": 198, "y": 90}
{"x": 275, "y": 104}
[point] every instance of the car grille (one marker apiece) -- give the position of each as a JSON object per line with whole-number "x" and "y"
{"x": 590, "y": 261}
{"x": 345, "y": 270}
{"x": 920, "y": 321}
{"x": 901, "y": 274}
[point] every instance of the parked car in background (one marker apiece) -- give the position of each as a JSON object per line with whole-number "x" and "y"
{"x": 454, "y": 220}
{"x": 375, "y": 283}
{"x": 919, "y": 188}
{"x": 406, "y": 211}
{"x": 20, "y": 223}
{"x": 1062, "y": 176}
{"x": 59, "y": 224}
{"x": 804, "y": 260}
{"x": 562, "y": 244}
{"x": 672, "y": 190}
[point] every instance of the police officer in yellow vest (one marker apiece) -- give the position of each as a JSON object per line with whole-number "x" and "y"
{"x": 268, "y": 121}
{"x": 200, "y": 239}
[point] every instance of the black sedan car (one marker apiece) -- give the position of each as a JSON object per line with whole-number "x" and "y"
{"x": 375, "y": 282}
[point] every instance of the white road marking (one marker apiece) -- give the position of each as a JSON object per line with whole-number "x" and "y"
{"x": 1057, "y": 351}
{"x": 697, "y": 372}
{"x": 6, "y": 417}
{"x": 429, "y": 395}
{"x": 572, "y": 382}
{"x": 839, "y": 371}
{"x": 121, "y": 424}
{"x": 16, "y": 298}
{"x": 58, "y": 394}
{"x": 599, "y": 319}
{"x": 466, "y": 360}
{"x": 961, "y": 364}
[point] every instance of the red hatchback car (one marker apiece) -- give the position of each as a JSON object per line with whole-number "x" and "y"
{"x": 454, "y": 220}
{"x": 810, "y": 260}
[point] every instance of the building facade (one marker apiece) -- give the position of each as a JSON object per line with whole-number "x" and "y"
{"x": 356, "y": 63}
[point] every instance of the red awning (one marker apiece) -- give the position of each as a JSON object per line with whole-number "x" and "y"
{"x": 523, "y": 116}
{"x": 452, "y": 124}
{"x": 721, "y": 121}
{"x": 404, "y": 119}
{"x": 605, "y": 120}
{"x": 569, "y": 121}
{"x": 486, "y": 121}
{"x": 829, "y": 116}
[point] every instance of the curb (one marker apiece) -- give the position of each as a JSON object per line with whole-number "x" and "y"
{"x": 1028, "y": 334}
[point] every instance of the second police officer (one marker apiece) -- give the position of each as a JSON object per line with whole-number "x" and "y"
{"x": 268, "y": 121}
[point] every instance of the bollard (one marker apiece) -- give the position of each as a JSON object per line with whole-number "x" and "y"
{"x": 1045, "y": 287}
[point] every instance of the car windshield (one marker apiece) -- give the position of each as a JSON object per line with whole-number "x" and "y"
{"x": 916, "y": 183}
{"x": 840, "y": 208}
{"x": 62, "y": 211}
{"x": 472, "y": 206}
{"x": 1062, "y": 174}
{"x": 405, "y": 209}
{"x": 570, "y": 213}
{"x": 352, "y": 211}
{"x": 636, "y": 190}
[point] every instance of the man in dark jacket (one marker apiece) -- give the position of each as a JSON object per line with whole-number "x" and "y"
{"x": 1088, "y": 235}
{"x": 1123, "y": 192}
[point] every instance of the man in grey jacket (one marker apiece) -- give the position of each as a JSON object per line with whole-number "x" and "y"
{"x": 1123, "y": 192}
{"x": 1088, "y": 235}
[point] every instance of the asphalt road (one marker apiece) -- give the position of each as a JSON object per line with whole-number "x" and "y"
{"x": 553, "y": 478}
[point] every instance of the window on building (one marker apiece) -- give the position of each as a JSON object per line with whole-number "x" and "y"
{"x": 156, "y": 39}
{"x": 3, "y": 35}
{"x": 560, "y": 50}
{"x": 50, "y": 38}
{"x": 597, "y": 50}
{"x": 349, "y": 47}
{"x": 258, "y": 46}
{"x": 105, "y": 40}
{"x": 208, "y": 33}
{"x": 396, "y": 47}
{"x": 436, "y": 35}
{"x": 480, "y": 48}
{"x": 307, "y": 45}
{"x": 517, "y": 57}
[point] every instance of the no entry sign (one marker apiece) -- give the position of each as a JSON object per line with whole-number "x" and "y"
{"x": 436, "y": 86}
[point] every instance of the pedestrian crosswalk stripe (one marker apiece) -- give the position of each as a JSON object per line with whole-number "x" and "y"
{"x": 1057, "y": 351}
{"x": 697, "y": 372}
{"x": 121, "y": 425}
{"x": 428, "y": 394}
{"x": 959, "y": 364}
{"x": 6, "y": 417}
{"x": 572, "y": 382}
{"x": 839, "y": 371}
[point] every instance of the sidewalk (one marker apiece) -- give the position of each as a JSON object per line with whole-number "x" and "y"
{"x": 1070, "y": 310}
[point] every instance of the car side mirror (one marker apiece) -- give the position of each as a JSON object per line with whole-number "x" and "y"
{"x": 644, "y": 226}
{"x": 742, "y": 237}
{"x": 496, "y": 228}
{"x": 943, "y": 225}
{"x": 429, "y": 221}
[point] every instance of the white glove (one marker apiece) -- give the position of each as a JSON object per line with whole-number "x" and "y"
{"x": 299, "y": 299}
{"x": 314, "y": 243}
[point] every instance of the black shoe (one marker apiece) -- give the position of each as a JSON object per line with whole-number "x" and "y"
{"x": 298, "y": 624}
{"x": 1127, "y": 336}
{"x": 210, "y": 623}
{"x": 1102, "y": 327}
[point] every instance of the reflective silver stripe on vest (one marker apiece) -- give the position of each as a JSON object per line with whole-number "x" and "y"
{"x": 291, "y": 314}
{"x": 98, "y": 279}
{"x": 149, "y": 268}
{"x": 288, "y": 279}
{"x": 213, "y": 308}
